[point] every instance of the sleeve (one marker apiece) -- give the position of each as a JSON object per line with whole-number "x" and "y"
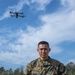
{"x": 28, "y": 70}
{"x": 62, "y": 69}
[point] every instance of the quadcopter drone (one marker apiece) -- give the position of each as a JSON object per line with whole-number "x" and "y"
{"x": 16, "y": 14}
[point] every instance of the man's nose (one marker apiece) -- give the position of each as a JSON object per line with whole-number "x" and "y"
{"x": 43, "y": 50}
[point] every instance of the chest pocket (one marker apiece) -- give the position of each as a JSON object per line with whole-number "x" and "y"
{"x": 52, "y": 70}
{"x": 49, "y": 70}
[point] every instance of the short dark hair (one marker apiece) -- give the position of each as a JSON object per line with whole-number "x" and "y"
{"x": 43, "y": 42}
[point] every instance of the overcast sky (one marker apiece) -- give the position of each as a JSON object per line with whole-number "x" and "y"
{"x": 49, "y": 20}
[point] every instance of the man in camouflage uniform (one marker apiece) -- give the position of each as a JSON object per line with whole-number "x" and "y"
{"x": 45, "y": 65}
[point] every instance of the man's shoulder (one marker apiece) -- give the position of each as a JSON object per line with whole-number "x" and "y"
{"x": 33, "y": 62}
{"x": 54, "y": 61}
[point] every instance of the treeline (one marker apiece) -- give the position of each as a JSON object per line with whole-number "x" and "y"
{"x": 18, "y": 71}
{"x": 70, "y": 67}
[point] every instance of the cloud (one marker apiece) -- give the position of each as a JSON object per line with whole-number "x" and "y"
{"x": 70, "y": 4}
{"x": 62, "y": 26}
{"x": 5, "y": 15}
{"x": 9, "y": 57}
{"x": 19, "y": 5}
{"x": 40, "y": 4}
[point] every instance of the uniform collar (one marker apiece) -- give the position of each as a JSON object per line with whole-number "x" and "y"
{"x": 46, "y": 59}
{"x": 44, "y": 62}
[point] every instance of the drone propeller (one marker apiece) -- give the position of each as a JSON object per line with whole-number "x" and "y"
{"x": 20, "y": 13}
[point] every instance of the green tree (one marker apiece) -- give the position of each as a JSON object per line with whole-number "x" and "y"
{"x": 2, "y": 70}
{"x": 70, "y": 68}
{"x": 16, "y": 72}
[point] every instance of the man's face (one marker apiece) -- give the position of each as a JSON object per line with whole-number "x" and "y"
{"x": 43, "y": 51}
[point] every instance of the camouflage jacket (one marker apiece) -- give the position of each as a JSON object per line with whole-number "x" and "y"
{"x": 47, "y": 67}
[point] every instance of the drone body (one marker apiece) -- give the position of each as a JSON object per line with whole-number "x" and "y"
{"x": 17, "y": 14}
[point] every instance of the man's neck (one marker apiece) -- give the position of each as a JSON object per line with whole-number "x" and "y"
{"x": 43, "y": 58}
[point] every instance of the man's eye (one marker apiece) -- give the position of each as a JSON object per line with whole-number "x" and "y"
{"x": 41, "y": 49}
{"x": 45, "y": 49}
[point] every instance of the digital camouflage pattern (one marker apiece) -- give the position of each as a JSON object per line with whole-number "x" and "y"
{"x": 47, "y": 67}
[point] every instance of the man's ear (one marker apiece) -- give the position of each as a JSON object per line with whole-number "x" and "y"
{"x": 49, "y": 49}
{"x": 37, "y": 50}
